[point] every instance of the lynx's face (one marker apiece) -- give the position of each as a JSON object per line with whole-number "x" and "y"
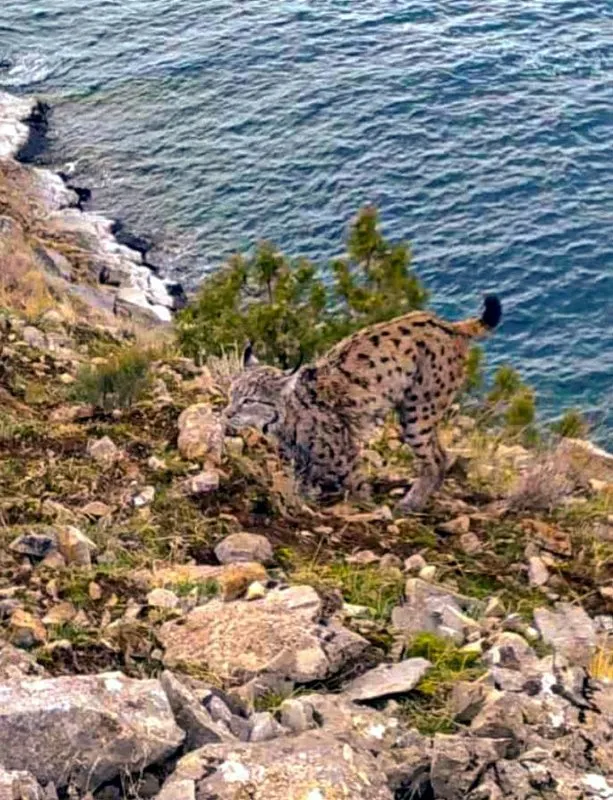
{"x": 255, "y": 399}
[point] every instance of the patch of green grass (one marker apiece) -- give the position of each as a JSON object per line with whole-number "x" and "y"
{"x": 205, "y": 590}
{"x": 571, "y": 425}
{"x": 426, "y": 708}
{"x": 379, "y": 590}
{"x": 75, "y": 634}
{"x": 117, "y": 384}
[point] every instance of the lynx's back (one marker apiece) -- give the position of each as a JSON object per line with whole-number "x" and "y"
{"x": 413, "y": 365}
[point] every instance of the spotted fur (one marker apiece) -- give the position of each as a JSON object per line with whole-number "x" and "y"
{"x": 323, "y": 413}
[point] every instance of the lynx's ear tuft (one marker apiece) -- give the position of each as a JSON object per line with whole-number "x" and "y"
{"x": 249, "y": 360}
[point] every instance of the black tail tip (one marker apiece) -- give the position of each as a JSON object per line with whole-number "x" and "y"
{"x": 492, "y": 313}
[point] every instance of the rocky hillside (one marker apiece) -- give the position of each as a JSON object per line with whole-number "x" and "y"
{"x": 176, "y": 622}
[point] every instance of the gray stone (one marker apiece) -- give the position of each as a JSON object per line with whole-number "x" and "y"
{"x": 244, "y": 547}
{"x": 264, "y": 727}
{"x": 511, "y": 651}
{"x": 297, "y": 715}
{"x": 415, "y": 563}
{"x": 434, "y": 609}
{"x": 358, "y": 725}
{"x": 35, "y": 545}
{"x": 162, "y": 598}
{"x": 104, "y": 450}
{"x": 466, "y": 701}
{"x": 457, "y": 764}
{"x": 145, "y": 497}
{"x": 310, "y": 766}
{"x": 204, "y": 482}
{"x": 85, "y": 729}
{"x": 182, "y": 789}
{"x": 19, "y": 785}
{"x": 191, "y": 715}
{"x": 569, "y": 630}
{"x": 280, "y": 635}
{"x": 538, "y": 574}
{"x": 34, "y": 338}
{"x": 388, "y": 679}
{"x": 500, "y": 718}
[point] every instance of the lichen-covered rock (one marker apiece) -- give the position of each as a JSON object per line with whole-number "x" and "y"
{"x": 433, "y": 608}
{"x": 569, "y": 630}
{"x": 311, "y": 766}
{"x": 457, "y": 763}
{"x": 279, "y": 634}
{"x": 19, "y": 785}
{"x": 85, "y": 729}
{"x": 201, "y": 434}
{"x": 190, "y": 714}
{"x": 104, "y": 451}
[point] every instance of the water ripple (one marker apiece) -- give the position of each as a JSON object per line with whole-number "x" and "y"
{"x": 483, "y": 131}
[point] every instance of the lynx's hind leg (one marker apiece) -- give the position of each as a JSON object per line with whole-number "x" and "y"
{"x": 431, "y": 459}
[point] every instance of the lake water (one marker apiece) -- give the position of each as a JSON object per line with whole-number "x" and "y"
{"x": 482, "y": 129}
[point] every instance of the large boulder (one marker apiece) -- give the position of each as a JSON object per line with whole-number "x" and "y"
{"x": 85, "y": 729}
{"x": 311, "y": 766}
{"x": 279, "y": 634}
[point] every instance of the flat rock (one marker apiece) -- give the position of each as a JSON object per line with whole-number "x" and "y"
{"x": 310, "y": 766}
{"x": 201, "y": 434}
{"x": 33, "y": 544}
{"x": 388, "y": 679}
{"x": 244, "y": 547}
{"x": 279, "y": 634}
{"x": 85, "y": 729}
{"x": 569, "y": 630}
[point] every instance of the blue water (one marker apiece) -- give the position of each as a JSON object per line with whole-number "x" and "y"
{"x": 482, "y": 128}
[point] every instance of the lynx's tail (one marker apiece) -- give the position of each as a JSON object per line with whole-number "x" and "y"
{"x": 492, "y": 314}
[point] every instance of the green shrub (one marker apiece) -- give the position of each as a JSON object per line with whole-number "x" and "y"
{"x": 571, "y": 425}
{"x": 116, "y": 384}
{"x": 287, "y": 310}
{"x": 474, "y": 369}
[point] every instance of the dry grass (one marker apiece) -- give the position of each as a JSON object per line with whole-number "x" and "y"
{"x": 544, "y": 486}
{"x": 601, "y": 665}
{"x": 22, "y": 284}
{"x": 225, "y": 368}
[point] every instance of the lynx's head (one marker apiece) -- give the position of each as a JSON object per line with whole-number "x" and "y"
{"x": 257, "y": 396}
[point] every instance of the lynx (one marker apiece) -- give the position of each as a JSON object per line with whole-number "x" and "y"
{"x": 320, "y": 414}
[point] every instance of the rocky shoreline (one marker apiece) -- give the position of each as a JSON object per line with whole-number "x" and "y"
{"x": 132, "y": 286}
